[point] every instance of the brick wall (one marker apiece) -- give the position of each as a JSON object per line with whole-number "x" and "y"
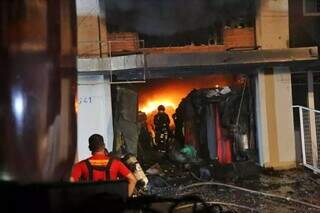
{"x": 239, "y": 37}
{"x": 186, "y": 49}
{"x": 123, "y": 42}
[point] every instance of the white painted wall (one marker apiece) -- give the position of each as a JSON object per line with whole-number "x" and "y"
{"x": 94, "y": 112}
{"x": 261, "y": 120}
{"x": 282, "y": 87}
{"x": 283, "y": 122}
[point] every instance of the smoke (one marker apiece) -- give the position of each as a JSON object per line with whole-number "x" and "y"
{"x": 168, "y": 17}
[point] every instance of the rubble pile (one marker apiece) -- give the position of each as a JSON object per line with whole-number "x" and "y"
{"x": 292, "y": 185}
{"x": 211, "y": 154}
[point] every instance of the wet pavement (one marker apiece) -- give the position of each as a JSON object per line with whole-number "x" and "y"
{"x": 299, "y": 184}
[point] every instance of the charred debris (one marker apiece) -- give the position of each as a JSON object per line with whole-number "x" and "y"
{"x": 210, "y": 154}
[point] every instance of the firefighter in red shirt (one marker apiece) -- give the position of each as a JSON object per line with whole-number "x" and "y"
{"x": 101, "y": 167}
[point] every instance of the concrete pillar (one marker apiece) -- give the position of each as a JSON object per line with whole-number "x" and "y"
{"x": 92, "y": 30}
{"x": 94, "y": 112}
{"x": 274, "y": 119}
{"x": 273, "y": 89}
{"x": 272, "y": 24}
{"x": 261, "y": 119}
{"x": 312, "y": 120}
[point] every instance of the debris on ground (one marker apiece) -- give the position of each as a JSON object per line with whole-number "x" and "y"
{"x": 189, "y": 151}
{"x": 154, "y": 169}
{"x": 269, "y": 191}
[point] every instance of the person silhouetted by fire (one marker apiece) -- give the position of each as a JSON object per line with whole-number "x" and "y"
{"x": 161, "y": 123}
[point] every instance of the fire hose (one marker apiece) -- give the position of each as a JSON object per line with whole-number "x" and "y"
{"x": 251, "y": 191}
{"x": 219, "y": 203}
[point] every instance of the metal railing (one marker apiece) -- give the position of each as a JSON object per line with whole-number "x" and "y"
{"x": 309, "y": 120}
{"x": 120, "y": 54}
{"x": 137, "y": 48}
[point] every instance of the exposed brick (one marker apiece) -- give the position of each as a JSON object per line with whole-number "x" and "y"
{"x": 123, "y": 42}
{"x": 186, "y": 49}
{"x": 239, "y": 37}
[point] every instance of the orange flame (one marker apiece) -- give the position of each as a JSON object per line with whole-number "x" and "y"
{"x": 151, "y": 106}
{"x": 170, "y": 92}
{"x": 76, "y": 104}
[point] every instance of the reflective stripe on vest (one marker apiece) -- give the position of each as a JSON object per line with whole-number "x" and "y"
{"x": 99, "y": 162}
{"x": 99, "y": 165}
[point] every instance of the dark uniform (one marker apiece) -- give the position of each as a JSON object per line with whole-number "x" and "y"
{"x": 161, "y": 122}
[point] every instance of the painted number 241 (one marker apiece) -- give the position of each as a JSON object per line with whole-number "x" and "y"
{"x": 85, "y": 100}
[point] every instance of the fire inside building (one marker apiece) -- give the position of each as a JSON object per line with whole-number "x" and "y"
{"x": 192, "y": 106}
{"x": 200, "y": 117}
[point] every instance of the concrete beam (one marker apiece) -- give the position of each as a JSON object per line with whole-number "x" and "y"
{"x": 197, "y": 60}
{"x": 231, "y": 57}
{"x": 93, "y": 64}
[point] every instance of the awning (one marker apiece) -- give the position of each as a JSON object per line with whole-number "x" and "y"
{"x": 154, "y": 65}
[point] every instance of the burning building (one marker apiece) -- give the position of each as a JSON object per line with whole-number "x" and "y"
{"x": 177, "y": 58}
{"x": 170, "y": 92}
{"x": 194, "y": 88}
{"x": 175, "y": 94}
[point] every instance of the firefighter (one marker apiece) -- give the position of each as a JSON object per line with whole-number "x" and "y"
{"x": 161, "y": 123}
{"x": 101, "y": 167}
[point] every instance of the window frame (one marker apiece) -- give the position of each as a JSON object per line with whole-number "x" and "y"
{"x": 305, "y": 13}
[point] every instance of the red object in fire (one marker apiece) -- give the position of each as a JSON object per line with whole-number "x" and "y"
{"x": 190, "y": 138}
{"x": 223, "y": 144}
{"x": 226, "y": 158}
